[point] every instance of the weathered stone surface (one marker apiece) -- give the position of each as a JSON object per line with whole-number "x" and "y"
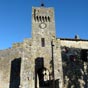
{"x": 44, "y": 61}
{"x": 75, "y": 69}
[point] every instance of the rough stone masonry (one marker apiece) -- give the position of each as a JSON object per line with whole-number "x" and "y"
{"x": 45, "y": 61}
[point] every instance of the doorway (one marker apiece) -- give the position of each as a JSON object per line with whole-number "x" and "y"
{"x": 41, "y": 74}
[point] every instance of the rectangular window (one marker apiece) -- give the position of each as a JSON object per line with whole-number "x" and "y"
{"x": 42, "y": 42}
{"x": 84, "y": 55}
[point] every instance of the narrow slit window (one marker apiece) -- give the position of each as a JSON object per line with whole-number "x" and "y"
{"x": 48, "y": 18}
{"x": 40, "y": 18}
{"x": 42, "y": 42}
{"x": 45, "y": 18}
{"x": 37, "y": 18}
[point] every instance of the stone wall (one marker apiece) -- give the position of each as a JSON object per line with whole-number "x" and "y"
{"x": 75, "y": 68}
{"x": 27, "y": 65}
{"x": 75, "y": 43}
{"x": 10, "y": 61}
{"x": 17, "y": 64}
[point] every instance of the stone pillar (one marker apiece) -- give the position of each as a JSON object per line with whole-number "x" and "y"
{"x": 58, "y": 72}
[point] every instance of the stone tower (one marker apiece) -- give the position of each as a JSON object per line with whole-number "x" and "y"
{"x": 41, "y": 64}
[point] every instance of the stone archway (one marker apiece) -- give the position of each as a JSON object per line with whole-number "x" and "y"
{"x": 41, "y": 74}
{"x": 15, "y": 73}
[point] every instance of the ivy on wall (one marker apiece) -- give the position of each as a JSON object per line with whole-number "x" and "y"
{"x": 75, "y": 70}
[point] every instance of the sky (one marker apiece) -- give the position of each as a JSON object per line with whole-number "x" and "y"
{"x": 71, "y": 18}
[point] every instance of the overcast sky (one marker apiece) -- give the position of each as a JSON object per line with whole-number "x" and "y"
{"x": 15, "y": 19}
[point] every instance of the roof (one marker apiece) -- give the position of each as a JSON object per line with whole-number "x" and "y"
{"x": 69, "y": 39}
